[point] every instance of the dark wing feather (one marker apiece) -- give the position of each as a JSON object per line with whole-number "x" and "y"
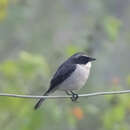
{"x": 64, "y": 71}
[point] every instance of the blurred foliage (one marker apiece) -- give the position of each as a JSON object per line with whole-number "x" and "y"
{"x": 115, "y": 114}
{"x": 37, "y": 36}
{"x": 112, "y": 27}
{"x": 3, "y": 9}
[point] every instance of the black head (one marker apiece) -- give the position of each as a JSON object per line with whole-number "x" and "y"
{"x": 81, "y": 58}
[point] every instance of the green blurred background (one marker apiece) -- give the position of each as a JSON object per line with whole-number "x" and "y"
{"x": 38, "y": 35}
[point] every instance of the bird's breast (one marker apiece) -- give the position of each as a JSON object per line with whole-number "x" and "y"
{"x": 77, "y": 79}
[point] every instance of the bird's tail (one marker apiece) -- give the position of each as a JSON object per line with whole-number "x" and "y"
{"x": 38, "y": 104}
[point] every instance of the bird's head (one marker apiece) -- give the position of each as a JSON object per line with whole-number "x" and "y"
{"x": 81, "y": 58}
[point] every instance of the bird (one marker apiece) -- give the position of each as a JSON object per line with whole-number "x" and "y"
{"x": 70, "y": 76}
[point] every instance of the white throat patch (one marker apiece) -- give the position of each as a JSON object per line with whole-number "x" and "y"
{"x": 88, "y": 65}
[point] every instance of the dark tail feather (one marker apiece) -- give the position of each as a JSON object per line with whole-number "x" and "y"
{"x": 38, "y": 104}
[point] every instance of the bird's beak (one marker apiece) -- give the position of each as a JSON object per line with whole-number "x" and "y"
{"x": 91, "y": 59}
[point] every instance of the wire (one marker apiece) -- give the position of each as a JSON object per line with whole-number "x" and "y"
{"x": 65, "y": 96}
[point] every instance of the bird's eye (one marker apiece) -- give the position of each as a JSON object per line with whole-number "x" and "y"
{"x": 82, "y": 59}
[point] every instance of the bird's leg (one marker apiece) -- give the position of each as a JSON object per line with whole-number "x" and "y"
{"x": 67, "y": 92}
{"x": 74, "y": 96}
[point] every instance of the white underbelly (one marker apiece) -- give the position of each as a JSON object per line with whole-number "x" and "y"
{"x": 77, "y": 79}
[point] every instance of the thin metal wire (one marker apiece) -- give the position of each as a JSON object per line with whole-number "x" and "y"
{"x": 65, "y": 96}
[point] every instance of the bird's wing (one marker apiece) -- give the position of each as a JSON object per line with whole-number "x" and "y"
{"x": 61, "y": 74}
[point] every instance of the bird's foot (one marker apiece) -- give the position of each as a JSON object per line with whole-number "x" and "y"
{"x": 74, "y": 96}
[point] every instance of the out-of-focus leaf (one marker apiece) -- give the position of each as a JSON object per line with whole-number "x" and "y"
{"x": 31, "y": 63}
{"x": 9, "y": 68}
{"x": 115, "y": 114}
{"x": 112, "y": 27}
{"x": 71, "y": 49}
{"x": 3, "y": 8}
{"x": 71, "y": 119}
